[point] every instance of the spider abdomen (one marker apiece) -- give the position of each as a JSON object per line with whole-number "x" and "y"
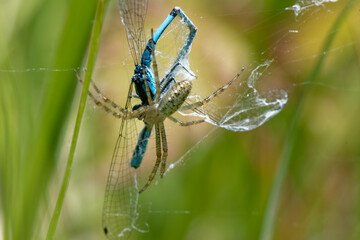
{"x": 174, "y": 98}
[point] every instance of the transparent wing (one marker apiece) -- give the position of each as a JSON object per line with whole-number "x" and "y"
{"x": 249, "y": 110}
{"x": 133, "y": 14}
{"x": 121, "y": 213}
{"x": 253, "y": 109}
{"x": 171, "y": 44}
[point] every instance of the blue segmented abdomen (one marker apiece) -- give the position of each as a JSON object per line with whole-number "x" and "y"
{"x": 140, "y": 147}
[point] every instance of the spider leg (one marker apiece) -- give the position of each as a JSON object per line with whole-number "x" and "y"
{"x": 208, "y": 99}
{"x": 186, "y": 123}
{"x": 147, "y": 88}
{"x": 106, "y": 99}
{"x": 127, "y": 115}
{"x": 156, "y": 72}
{"x": 165, "y": 149}
{"x": 112, "y": 109}
{"x": 124, "y": 113}
{"x": 158, "y": 157}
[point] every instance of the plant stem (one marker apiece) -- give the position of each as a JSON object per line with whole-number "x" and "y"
{"x": 268, "y": 225}
{"x": 94, "y": 44}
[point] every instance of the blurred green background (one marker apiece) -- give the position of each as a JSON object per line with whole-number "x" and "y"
{"x": 223, "y": 189}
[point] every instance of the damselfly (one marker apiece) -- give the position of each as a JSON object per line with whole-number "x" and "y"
{"x": 159, "y": 100}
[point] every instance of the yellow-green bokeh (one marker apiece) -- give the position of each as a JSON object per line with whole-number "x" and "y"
{"x": 222, "y": 191}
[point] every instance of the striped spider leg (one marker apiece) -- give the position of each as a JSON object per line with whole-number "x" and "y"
{"x": 106, "y": 103}
{"x": 196, "y": 105}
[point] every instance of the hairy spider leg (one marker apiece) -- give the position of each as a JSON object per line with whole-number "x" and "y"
{"x": 165, "y": 149}
{"x": 195, "y": 105}
{"x": 111, "y": 107}
{"x": 105, "y": 99}
{"x": 161, "y": 157}
{"x": 186, "y": 124}
{"x": 149, "y": 94}
{"x": 158, "y": 158}
{"x": 106, "y": 104}
{"x": 156, "y": 72}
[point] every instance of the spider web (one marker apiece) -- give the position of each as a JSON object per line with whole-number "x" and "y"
{"x": 252, "y": 106}
{"x": 250, "y": 101}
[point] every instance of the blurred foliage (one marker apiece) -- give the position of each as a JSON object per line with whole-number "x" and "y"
{"x": 222, "y": 191}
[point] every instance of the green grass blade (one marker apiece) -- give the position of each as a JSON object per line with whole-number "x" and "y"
{"x": 94, "y": 44}
{"x": 41, "y": 42}
{"x": 269, "y": 219}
